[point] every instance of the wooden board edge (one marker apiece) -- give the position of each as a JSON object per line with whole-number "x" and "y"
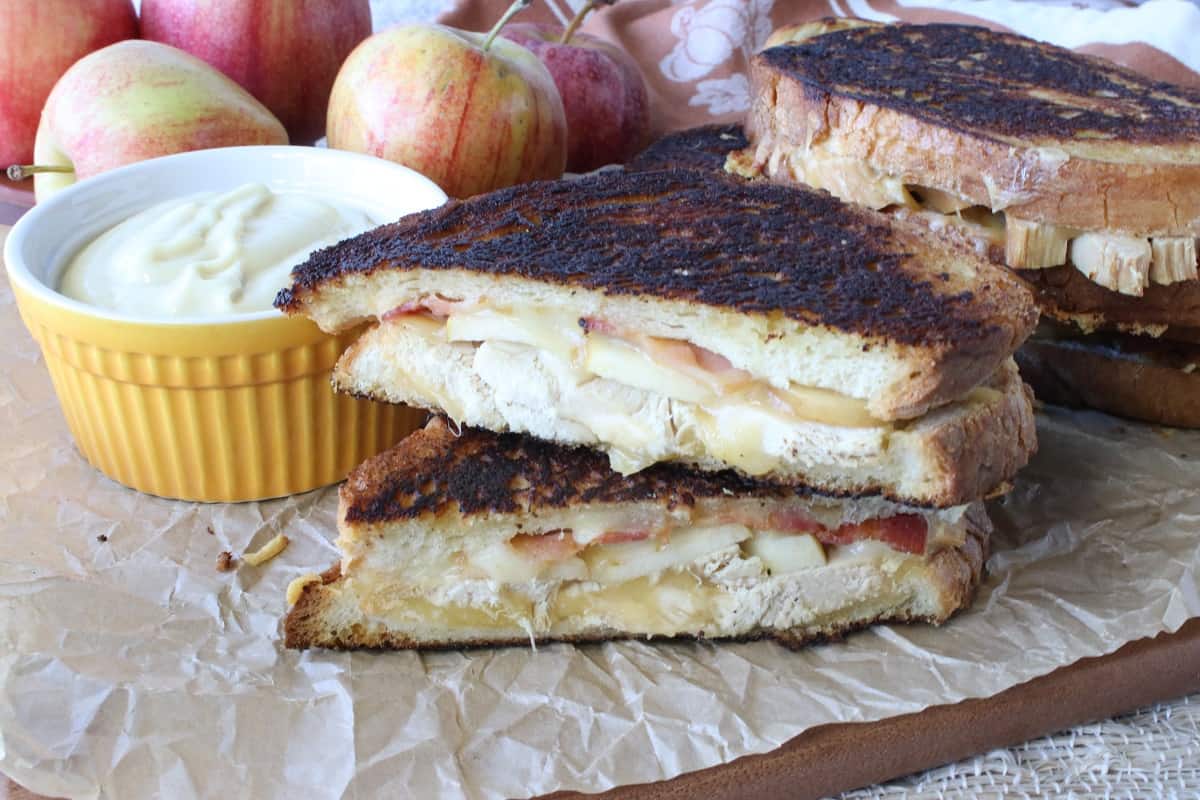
{"x": 831, "y": 759}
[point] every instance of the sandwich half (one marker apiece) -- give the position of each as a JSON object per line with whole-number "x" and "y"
{"x": 690, "y": 316}
{"x": 1081, "y": 175}
{"x": 465, "y": 538}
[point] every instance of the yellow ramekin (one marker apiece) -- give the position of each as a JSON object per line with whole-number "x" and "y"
{"x": 228, "y": 409}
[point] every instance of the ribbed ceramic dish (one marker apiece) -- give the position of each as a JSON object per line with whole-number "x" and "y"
{"x": 216, "y": 409}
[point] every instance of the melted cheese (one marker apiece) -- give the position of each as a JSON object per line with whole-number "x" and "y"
{"x": 670, "y": 603}
{"x": 826, "y": 166}
{"x": 555, "y": 333}
{"x": 736, "y": 430}
{"x": 662, "y": 605}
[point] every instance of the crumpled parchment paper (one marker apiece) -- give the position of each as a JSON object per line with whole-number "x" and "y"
{"x": 132, "y": 668}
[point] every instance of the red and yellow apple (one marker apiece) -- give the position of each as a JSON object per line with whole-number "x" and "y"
{"x": 40, "y": 40}
{"x": 284, "y": 52}
{"x": 470, "y": 111}
{"x": 136, "y": 100}
{"x": 603, "y": 94}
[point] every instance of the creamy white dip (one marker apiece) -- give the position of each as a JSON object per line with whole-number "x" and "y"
{"x": 208, "y": 253}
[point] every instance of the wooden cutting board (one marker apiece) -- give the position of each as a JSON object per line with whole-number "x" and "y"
{"x": 834, "y": 758}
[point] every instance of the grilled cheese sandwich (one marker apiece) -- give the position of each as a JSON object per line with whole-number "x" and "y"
{"x": 788, "y": 336}
{"x": 1080, "y": 175}
{"x": 472, "y": 538}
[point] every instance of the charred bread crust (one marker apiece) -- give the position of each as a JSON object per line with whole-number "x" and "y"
{"x": 703, "y": 148}
{"x": 765, "y": 249}
{"x": 1086, "y": 373}
{"x": 1067, "y": 295}
{"x": 1046, "y": 134}
{"x": 991, "y": 83}
{"x": 478, "y": 473}
{"x": 954, "y": 574}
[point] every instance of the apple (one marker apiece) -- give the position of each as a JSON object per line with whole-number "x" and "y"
{"x": 602, "y": 89}
{"x": 471, "y": 111}
{"x": 284, "y": 52}
{"x": 41, "y": 38}
{"x": 136, "y": 100}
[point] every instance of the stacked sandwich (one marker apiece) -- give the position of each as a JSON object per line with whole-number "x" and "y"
{"x": 1080, "y": 175}
{"x": 679, "y": 403}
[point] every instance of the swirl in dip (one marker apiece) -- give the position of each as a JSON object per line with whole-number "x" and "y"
{"x": 207, "y": 254}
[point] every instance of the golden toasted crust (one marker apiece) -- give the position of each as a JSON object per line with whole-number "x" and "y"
{"x": 1000, "y": 120}
{"x": 952, "y": 575}
{"x": 986, "y": 450}
{"x": 1123, "y": 375}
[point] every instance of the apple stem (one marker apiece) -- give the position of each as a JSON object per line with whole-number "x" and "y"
{"x": 20, "y": 172}
{"x": 500, "y": 23}
{"x": 577, "y": 20}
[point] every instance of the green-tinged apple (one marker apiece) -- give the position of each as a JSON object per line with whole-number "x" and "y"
{"x": 602, "y": 89}
{"x": 39, "y": 40}
{"x": 284, "y": 52}
{"x": 136, "y": 100}
{"x": 471, "y": 111}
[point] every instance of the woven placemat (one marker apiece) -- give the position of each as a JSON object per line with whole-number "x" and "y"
{"x": 1152, "y": 752}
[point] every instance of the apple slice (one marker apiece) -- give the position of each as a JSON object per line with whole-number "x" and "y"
{"x": 786, "y": 552}
{"x": 617, "y": 563}
{"x": 618, "y": 361}
{"x": 557, "y": 334}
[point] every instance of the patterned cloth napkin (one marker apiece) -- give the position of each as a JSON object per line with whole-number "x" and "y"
{"x": 694, "y": 53}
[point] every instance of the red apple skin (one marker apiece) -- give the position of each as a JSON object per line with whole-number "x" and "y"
{"x": 429, "y": 97}
{"x": 603, "y": 94}
{"x": 39, "y": 40}
{"x": 284, "y": 52}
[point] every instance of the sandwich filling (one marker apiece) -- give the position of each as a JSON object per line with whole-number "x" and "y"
{"x": 717, "y": 569}
{"x": 1117, "y": 260}
{"x": 593, "y": 375}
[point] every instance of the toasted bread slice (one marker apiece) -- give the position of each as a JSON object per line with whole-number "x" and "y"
{"x": 949, "y": 456}
{"x": 465, "y": 538}
{"x": 704, "y": 148}
{"x": 792, "y": 287}
{"x": 1067, "y": 296}
{"x": 1130, "y": 376}
{"x": 994, "y": 119}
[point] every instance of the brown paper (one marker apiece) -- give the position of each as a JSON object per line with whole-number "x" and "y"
{"x": 132, "y": 668}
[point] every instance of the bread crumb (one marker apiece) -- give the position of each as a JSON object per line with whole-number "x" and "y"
{"x": 296, "y": 587}
{"x": 267, "y": 551}
{"x": 226, "y": 562}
